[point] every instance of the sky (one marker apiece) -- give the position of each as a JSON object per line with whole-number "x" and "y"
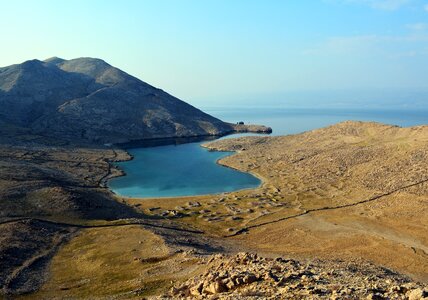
{"x": 217, "y": 52}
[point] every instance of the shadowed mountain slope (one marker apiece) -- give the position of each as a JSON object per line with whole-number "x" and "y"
{"x": 88, "y": 99}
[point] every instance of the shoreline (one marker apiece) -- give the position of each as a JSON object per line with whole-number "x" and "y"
{"x": 121, "y": 173}
{"x": 260, "y": 129}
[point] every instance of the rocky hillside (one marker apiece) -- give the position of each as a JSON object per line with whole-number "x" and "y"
{"x": 248, "y": 276}
{"x": 88, "y": 99}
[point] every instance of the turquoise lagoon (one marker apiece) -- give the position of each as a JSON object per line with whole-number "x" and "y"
{"x": 178, "y": 170}
{"x": 186, "y": 169}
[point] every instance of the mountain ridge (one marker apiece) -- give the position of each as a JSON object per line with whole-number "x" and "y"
{"x": 88, "y": 99}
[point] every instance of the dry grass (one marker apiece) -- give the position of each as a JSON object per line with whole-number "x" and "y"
{"x": 339, "y": 165}
{"x": 319, "y": 170}
{"x": 114, "y": 262}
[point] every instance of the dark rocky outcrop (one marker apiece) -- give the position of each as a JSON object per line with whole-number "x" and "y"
{"x": 88, "y": 99}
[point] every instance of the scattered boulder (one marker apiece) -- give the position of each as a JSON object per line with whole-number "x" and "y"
{"x": 248, "y": 276}
{"x": 418, "y": 294}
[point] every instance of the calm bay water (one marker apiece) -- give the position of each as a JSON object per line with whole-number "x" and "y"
{"x": 178, "y": 170}
{"x": 188, "y": 169}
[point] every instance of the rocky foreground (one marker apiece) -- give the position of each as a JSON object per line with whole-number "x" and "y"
{"x": 248, "y": 276}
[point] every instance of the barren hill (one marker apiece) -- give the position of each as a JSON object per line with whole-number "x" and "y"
{"x": 88, "y": 99}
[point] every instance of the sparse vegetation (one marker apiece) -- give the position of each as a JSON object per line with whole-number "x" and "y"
{"x": 347, "y": 192}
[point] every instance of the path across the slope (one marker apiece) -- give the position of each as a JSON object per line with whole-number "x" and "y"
{"x": 83, "y": 226}
{"x": 306, "y": 212}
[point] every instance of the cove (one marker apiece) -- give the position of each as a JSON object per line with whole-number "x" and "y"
{"x": 177, "y": 170}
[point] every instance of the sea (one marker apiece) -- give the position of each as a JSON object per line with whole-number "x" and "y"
{"x": 186, "y": 169}
{"x": 296, "y": 120}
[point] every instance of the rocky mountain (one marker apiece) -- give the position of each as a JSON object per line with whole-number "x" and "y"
{"x": 88, "y": 99}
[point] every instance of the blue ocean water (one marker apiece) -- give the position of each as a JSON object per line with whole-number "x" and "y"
{"x": 188, "y": 169}
{"x": 291, "y": 121}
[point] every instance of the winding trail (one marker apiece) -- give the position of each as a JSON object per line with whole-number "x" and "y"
{"x": 82, "y": 226}
{"x": 306, "y": 212}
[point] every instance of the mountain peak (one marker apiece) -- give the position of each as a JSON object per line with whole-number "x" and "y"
{"x": 32, "y": 63}
{"x": 87, "y": 62}
{"x": 86, "y": 98}
{"x": 54, "y": 60}
{"x": 95, "y": 68}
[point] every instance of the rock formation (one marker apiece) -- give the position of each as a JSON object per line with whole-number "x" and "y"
{"x": 248, "y": 276}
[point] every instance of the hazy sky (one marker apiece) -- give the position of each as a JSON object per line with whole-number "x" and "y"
{"x": 218, "y": 50}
